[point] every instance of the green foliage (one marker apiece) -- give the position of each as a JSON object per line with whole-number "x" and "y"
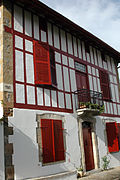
{"x": 92, "y": 106}
{"x": 105, "y": 163}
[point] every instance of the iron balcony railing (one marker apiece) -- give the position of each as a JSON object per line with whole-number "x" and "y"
{"x": 88, "y": 97}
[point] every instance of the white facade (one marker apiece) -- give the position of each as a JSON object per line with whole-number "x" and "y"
{"x": 32, "y": 100}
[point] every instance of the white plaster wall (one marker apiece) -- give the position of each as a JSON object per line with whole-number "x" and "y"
{"x": 28, "y": 23}
{"x": 19, "y": 66}
{"x": 26, "y": 157}
{"x": 59, "y": 76}
{"x": 56, "y": 37}
{"x": 20, "y": 93}
{"x": 79, "y": 49}
{"x": 49, "y": 34}
{"x": 75, "y": 46}
{"x": 66, "y": 79}
{"x": 18, "y": 19}
{"x": 69, "y": 43}
{"x": 36, "y": 26}
{"x": 1, "y": 151}
{"x": 43, "y": 36}
{"x": 83, "y": 51}
{"x": 63, "y": 40}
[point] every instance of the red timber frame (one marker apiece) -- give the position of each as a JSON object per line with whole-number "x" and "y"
{"x": 92, "y": 62}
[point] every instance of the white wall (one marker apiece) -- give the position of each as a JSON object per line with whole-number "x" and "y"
{"x": 25, "y": 157}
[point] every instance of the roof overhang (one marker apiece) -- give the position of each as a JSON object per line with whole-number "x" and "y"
{"x": 41, "y": 9}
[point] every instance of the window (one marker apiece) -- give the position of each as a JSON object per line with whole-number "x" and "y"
{"x": 112, "y": 136}
{"x": 87, "y": 48}
{"x": 44, "y": 65}
{"x": 104, "y": 82}
{"x": 52, "y": 140}
{"x": 43, "y": 24}
{"x": 103, "y": 57}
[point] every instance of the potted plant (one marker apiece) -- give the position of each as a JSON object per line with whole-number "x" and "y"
{"x": 80, "y": 172}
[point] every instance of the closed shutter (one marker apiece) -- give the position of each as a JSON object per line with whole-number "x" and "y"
{"x": 47, "y": 141}
{"x": 111, "y": 129}
{"x": 58, "y": 140}
{"x": 42, "y": 64}
{"x": 118, "y": 127}
{"x": 104, "y": 81}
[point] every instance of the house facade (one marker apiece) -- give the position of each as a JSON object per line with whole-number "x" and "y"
{"x": 60, "y": 106}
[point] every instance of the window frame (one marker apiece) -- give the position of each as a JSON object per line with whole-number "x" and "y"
{"x": 53, "y": 118}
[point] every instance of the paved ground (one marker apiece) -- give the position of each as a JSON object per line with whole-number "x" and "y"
{"x": 113, "y": 174}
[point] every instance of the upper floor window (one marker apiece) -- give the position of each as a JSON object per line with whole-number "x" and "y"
{"x": 43, "y": 24}
{"x": 44, "y": 63}
{"x": 104, "y": 82}
{"x": 87, "y": 49}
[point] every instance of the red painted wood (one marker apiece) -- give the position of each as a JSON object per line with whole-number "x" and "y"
{"x": 104, "y": 81}
{"x": 47, "y": 141}
{"x": 58, "y": 140}
{"x": 112, "y": 137}
{"x": 118, "y": 128}
{"x": 88, "y": 149}
{"x": 42, "y": 64}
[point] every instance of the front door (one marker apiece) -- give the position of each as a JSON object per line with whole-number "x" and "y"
{"x": 88, "y": 148}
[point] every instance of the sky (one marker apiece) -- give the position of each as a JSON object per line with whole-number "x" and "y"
{"x": 100, "y": 17}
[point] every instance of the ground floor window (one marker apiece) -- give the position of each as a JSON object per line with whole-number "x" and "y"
{"x": 113, "y": 136}
{"x": 52, "y": 140}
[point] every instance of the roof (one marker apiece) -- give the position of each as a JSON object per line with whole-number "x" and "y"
{"x": 60, "y": 20}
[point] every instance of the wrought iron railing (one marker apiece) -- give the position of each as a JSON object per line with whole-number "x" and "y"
{"x": 85, "y": 96}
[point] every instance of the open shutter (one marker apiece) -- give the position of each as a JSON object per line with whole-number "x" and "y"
{"x": 58, "y": 140}
{"x": 53, "y": 70}
{"x": 118, "y": 127}
{"x": 42, "y": 64}
{"x": 47, "y": 142}
{"x": 111, "y": 129}
{"x": 104, "y": 81}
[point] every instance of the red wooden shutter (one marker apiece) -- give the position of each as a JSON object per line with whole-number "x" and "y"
{"x": 58, "y": 140}
{"x": 118, "y": 127}
{"x": 47, "y": 142}
{"x": 111, "y": 129}
{"x": 42, "y": 64}
{"x": 104, "y": 80}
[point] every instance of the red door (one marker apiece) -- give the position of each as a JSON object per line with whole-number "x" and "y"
{"x": 81, "y": 80}
{"x": 88, "y": 149}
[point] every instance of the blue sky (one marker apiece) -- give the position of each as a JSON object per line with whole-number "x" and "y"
{"x": 100, "y": 17}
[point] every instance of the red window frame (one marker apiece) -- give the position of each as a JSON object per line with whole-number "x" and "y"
{"x": 112, "y": 136}
{"x": 44, "y": 65}
{"x": 52, "y": 141}
{"x": 104, "y": 82}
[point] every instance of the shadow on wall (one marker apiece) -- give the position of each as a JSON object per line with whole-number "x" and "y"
{"x": 26, "y": 158}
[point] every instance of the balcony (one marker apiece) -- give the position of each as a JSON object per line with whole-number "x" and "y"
{"x": 88, "y": 103}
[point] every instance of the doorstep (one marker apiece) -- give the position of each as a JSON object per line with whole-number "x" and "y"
{"x": 55, "y": 176}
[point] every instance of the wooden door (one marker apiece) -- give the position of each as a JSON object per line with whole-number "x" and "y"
{"x": 88, "y": 148}
{"x": 81, "y": 80}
